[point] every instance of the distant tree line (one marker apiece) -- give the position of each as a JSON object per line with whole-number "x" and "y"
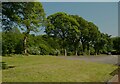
{"x": 65, "y": 34}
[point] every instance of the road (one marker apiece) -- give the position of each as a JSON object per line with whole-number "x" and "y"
{"x": 110, "y": 59}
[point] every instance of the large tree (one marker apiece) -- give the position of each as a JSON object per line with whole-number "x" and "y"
{"x": 93, "y": 35}
{"x": 103, "y": 43}
{"x": 88, "y": 35}
{"x": 116, "y": 44}
{"x": 62, "y": 26}
{"x": 29, "y": 16}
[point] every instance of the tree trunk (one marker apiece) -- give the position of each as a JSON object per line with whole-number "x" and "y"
{"x": 76, "y": 53}
{"x": 96, "y": 53}
{"x": 83, "y": 48}
{"x": 25, "y": 40}
{"x": 89, "y": 51}
{"x": 88, "y": 48}
{"x": 65, "y": 52}
{"x": 25, "y": 45}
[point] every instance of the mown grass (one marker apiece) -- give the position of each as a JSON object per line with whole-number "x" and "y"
{"x": 53, "y": 69}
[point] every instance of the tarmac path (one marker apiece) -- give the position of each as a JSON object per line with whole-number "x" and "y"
{"x": 110, "y": 59}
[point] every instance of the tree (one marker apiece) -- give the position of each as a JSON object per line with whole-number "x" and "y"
{"x": 103, "y": 44}
{"x": 88, "y": 35}
{"x": 53, "y": 42}
{"x": 116, "y": 44}
{"x": 93, "y": 35}
{"x": 29, "y": 16}
{"x": 83, "y": 25}
{"x": 9, "y": 11}
{"x": 62, "y": 26}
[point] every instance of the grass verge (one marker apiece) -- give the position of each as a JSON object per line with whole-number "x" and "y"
{"x": 53, "y": 69}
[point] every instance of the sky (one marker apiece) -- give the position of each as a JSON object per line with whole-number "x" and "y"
{"x": 79, "y": 0}
{"x": 103, "y": 14}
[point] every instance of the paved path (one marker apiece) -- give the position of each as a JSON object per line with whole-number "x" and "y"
{"x": 110, "y": 59}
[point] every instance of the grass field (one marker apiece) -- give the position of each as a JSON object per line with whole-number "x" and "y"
{"x": 53, "y": 69}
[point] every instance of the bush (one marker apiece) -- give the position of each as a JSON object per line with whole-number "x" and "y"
{"x": 56, "y": 52}
{"x": 11, "y": 43}
{"x": 70, "y": 53}
{"x": 46, "y": 50}
{"x": 41, "y": 49}
{"x": 92, "y": 51}
{"x": 34, "y": 50}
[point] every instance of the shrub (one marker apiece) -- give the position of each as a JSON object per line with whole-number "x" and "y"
{"x": 41, "y": 49}
{"x": 69, "y": 53}
{"x": 34, "y": 50}
{"x": 92, "y": 51}
{"x": 45, "y": 50}
{"x": 56, "y": 52}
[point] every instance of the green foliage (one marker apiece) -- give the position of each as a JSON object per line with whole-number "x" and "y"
{"x": 42, "y": 45}
{"x": 34, "y": 50}
{"x": 92, "y": 51}
{"x": 29, "y": 16}
{"x": 87, "y": 36}
{"x": 103, "y": 44}
{"x": 9, "y": 11}
{"x": 53, "y": 42}
{"x": 116, "y": 44}
{"x": 64, "y": 32}
{"x": 45, "y": 50}
{"x": 61, "y": 25}
{"x": 70, "y": 53}
{"x": 24, "y": 14}
{"x": 10, "y": 42}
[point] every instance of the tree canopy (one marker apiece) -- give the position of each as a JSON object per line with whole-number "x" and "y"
{"x": 29, "y": 16}
{"x": 63, "y": 26}
{"x": 65, "y": 34}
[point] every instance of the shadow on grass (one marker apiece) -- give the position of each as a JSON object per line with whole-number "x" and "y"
{"x": 4, "y": 65}
{"x": 116, "y": 72}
